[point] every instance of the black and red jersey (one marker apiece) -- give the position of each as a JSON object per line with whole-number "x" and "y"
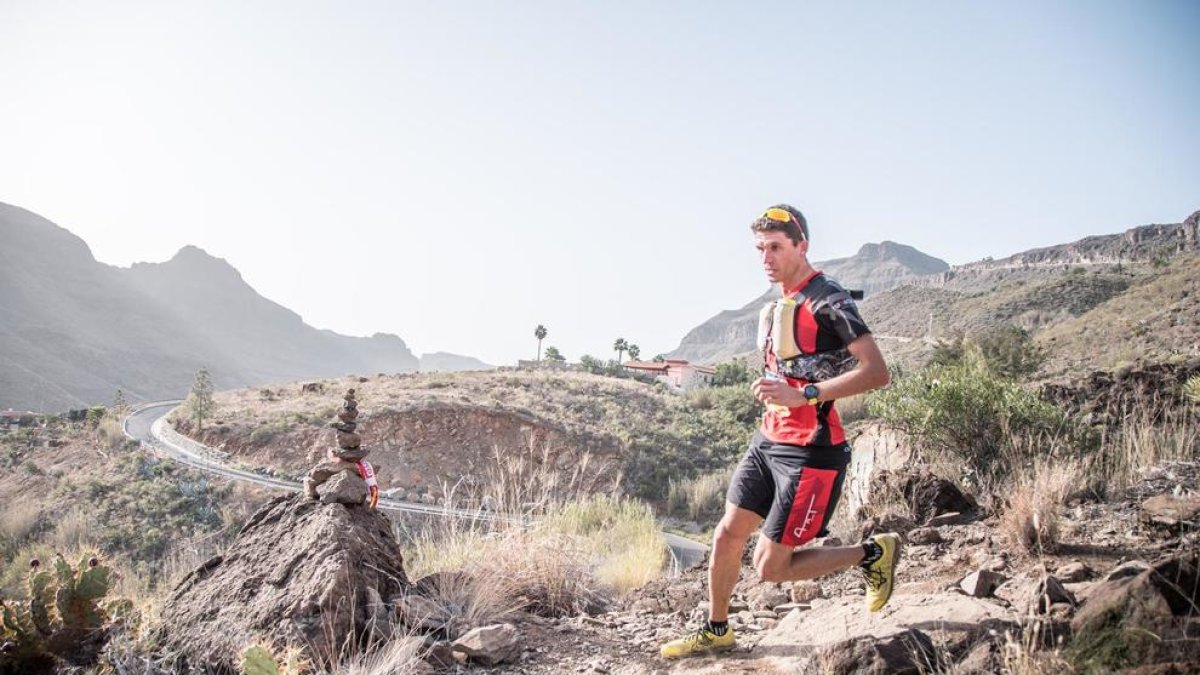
{"x": 827, "y": 320}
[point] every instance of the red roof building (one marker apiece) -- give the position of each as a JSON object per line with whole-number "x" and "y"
{"x": 675, "y": 373}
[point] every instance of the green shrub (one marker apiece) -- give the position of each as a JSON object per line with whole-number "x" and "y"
{"x": 1008, "y": 351}
{"x": 734, "y": 373}
{"x": 966, "y": 412}
{"x": 692, "y": 441}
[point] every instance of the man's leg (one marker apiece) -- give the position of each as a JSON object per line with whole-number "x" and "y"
{"x": 811, "y": 494}
{"x": 778, "y": 563}
{"x": 725, "y": 563}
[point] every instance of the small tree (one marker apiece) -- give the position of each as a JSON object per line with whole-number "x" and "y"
{"x": 199, "y": 404}
{"x": 733, "y": 373}
{"x": 620, "y": 346}
{"x": 591, "y": 364}
{"x": 1011, "y": 352}
{"x": 553, "y": 355}
{"x": 540, "y": 333}
{"x": 634, "y": 351}
{"x": 120, "y": 406}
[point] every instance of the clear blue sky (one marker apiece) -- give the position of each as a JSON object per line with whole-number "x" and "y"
{"x": 472, "y": 169}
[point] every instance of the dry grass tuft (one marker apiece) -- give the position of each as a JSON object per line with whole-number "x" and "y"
{"x": 76, "y": 529}
{"x": 399, "y": 656}
{"x": 1148, "y": 437}
{"x": 1024, "y": 655}
{"x": 20, "y": 520}
{"x": 853, "y": 408}
{"x": 1031, "y": 518}
{"x": 553, "y": 550}
{"x": 699, "y": 497}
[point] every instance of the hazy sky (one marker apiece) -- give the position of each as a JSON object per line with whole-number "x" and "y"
{"x": 458, "y": 172}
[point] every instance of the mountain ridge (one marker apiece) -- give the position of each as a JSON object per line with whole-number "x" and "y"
{"x": 890, "y": 303}
{"x": 93, "y": 328}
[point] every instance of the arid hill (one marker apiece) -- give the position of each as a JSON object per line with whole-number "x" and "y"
{"x": 74, "y": 330}
{"x": 874, "y": 269}
{"x": 1098, "y": 303}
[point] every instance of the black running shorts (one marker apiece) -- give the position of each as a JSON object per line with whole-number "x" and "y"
{"x": 794, "y": 488}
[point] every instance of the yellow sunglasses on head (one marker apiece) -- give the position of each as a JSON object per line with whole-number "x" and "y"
{"x": 784, "y": 216}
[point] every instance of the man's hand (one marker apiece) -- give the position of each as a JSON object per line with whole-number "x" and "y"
{"x": 776, "y": 392}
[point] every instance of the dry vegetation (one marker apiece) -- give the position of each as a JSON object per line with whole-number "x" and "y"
{"x": 554, "y": 547}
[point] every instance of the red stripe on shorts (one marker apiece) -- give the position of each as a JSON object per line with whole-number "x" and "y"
{"x": 808, "y": 508}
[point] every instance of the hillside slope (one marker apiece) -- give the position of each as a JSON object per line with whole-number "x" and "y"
{"x": 873, "y": 269}
{"x": 429, "y": 429}
{"x": 1099, "y": 302}
{"x": 74, "y": 330}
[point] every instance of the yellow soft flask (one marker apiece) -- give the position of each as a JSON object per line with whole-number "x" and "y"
{"x": 783, "y": 329}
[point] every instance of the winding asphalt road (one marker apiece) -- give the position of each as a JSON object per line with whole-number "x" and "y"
{"x": 145, "y": 423}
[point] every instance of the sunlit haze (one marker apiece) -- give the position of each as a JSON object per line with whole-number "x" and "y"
{"x": 457, "y": 173}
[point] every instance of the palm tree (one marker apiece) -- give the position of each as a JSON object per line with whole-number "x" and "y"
{"x": 540, "y": 333}
{"x": 619, "y": 347}
{"x": 634, "y": 351}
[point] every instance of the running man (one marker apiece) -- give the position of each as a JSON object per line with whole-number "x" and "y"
{"x": 816, "y": 349}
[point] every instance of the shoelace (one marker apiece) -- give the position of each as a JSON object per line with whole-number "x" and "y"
{"x": 701, "y": 636}
{"x": 875, "y": 577}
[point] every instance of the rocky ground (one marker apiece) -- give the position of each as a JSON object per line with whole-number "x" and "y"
{"x": 966, "y": 602}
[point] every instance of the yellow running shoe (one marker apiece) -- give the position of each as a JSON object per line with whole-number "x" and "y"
{"x": 702, "y": 641}
{"x": 881, "y": 574}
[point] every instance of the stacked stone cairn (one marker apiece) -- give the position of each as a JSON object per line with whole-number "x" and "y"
{"x": 342, "y": 468}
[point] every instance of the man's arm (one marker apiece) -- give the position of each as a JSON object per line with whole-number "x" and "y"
{"x": 870, "y": 373}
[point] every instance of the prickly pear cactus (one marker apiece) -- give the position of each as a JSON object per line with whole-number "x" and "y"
{"x": 63, "y": 604}
{"x": 260, "y": 659}
{"x": 79, "y": 592}
{"x": 41, "y": 597}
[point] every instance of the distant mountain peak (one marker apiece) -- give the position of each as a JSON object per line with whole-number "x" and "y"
{"x": 874, "y": 269}
{"x": 194, "y": 257}
{"x": 907, "y": 256}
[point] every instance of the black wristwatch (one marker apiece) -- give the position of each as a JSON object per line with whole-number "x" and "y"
{"x": 812, "y": 394}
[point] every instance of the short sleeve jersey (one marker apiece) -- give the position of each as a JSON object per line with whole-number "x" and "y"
{"x": 827, "y": 320}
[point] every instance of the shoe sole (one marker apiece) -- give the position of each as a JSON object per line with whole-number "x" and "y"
{"x": 892, "y": 572}
{"x": 710, "y": 650}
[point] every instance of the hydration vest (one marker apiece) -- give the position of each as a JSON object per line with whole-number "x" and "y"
{"x": 787, "y": 329}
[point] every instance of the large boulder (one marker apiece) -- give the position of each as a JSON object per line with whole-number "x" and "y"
{"x": 1134, "y": 619}
{"x": 925, "y": 494}
{"x": 1171, "y": 515}
{"x": 914, "y": 619}
{"x": 299, "y": 573}
{"x": 906, "y": 653}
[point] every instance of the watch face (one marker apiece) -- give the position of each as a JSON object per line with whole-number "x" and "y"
{"x": 811, "y": 391}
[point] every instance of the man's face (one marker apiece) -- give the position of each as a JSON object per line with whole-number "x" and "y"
{"x": 781, "y": 259}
